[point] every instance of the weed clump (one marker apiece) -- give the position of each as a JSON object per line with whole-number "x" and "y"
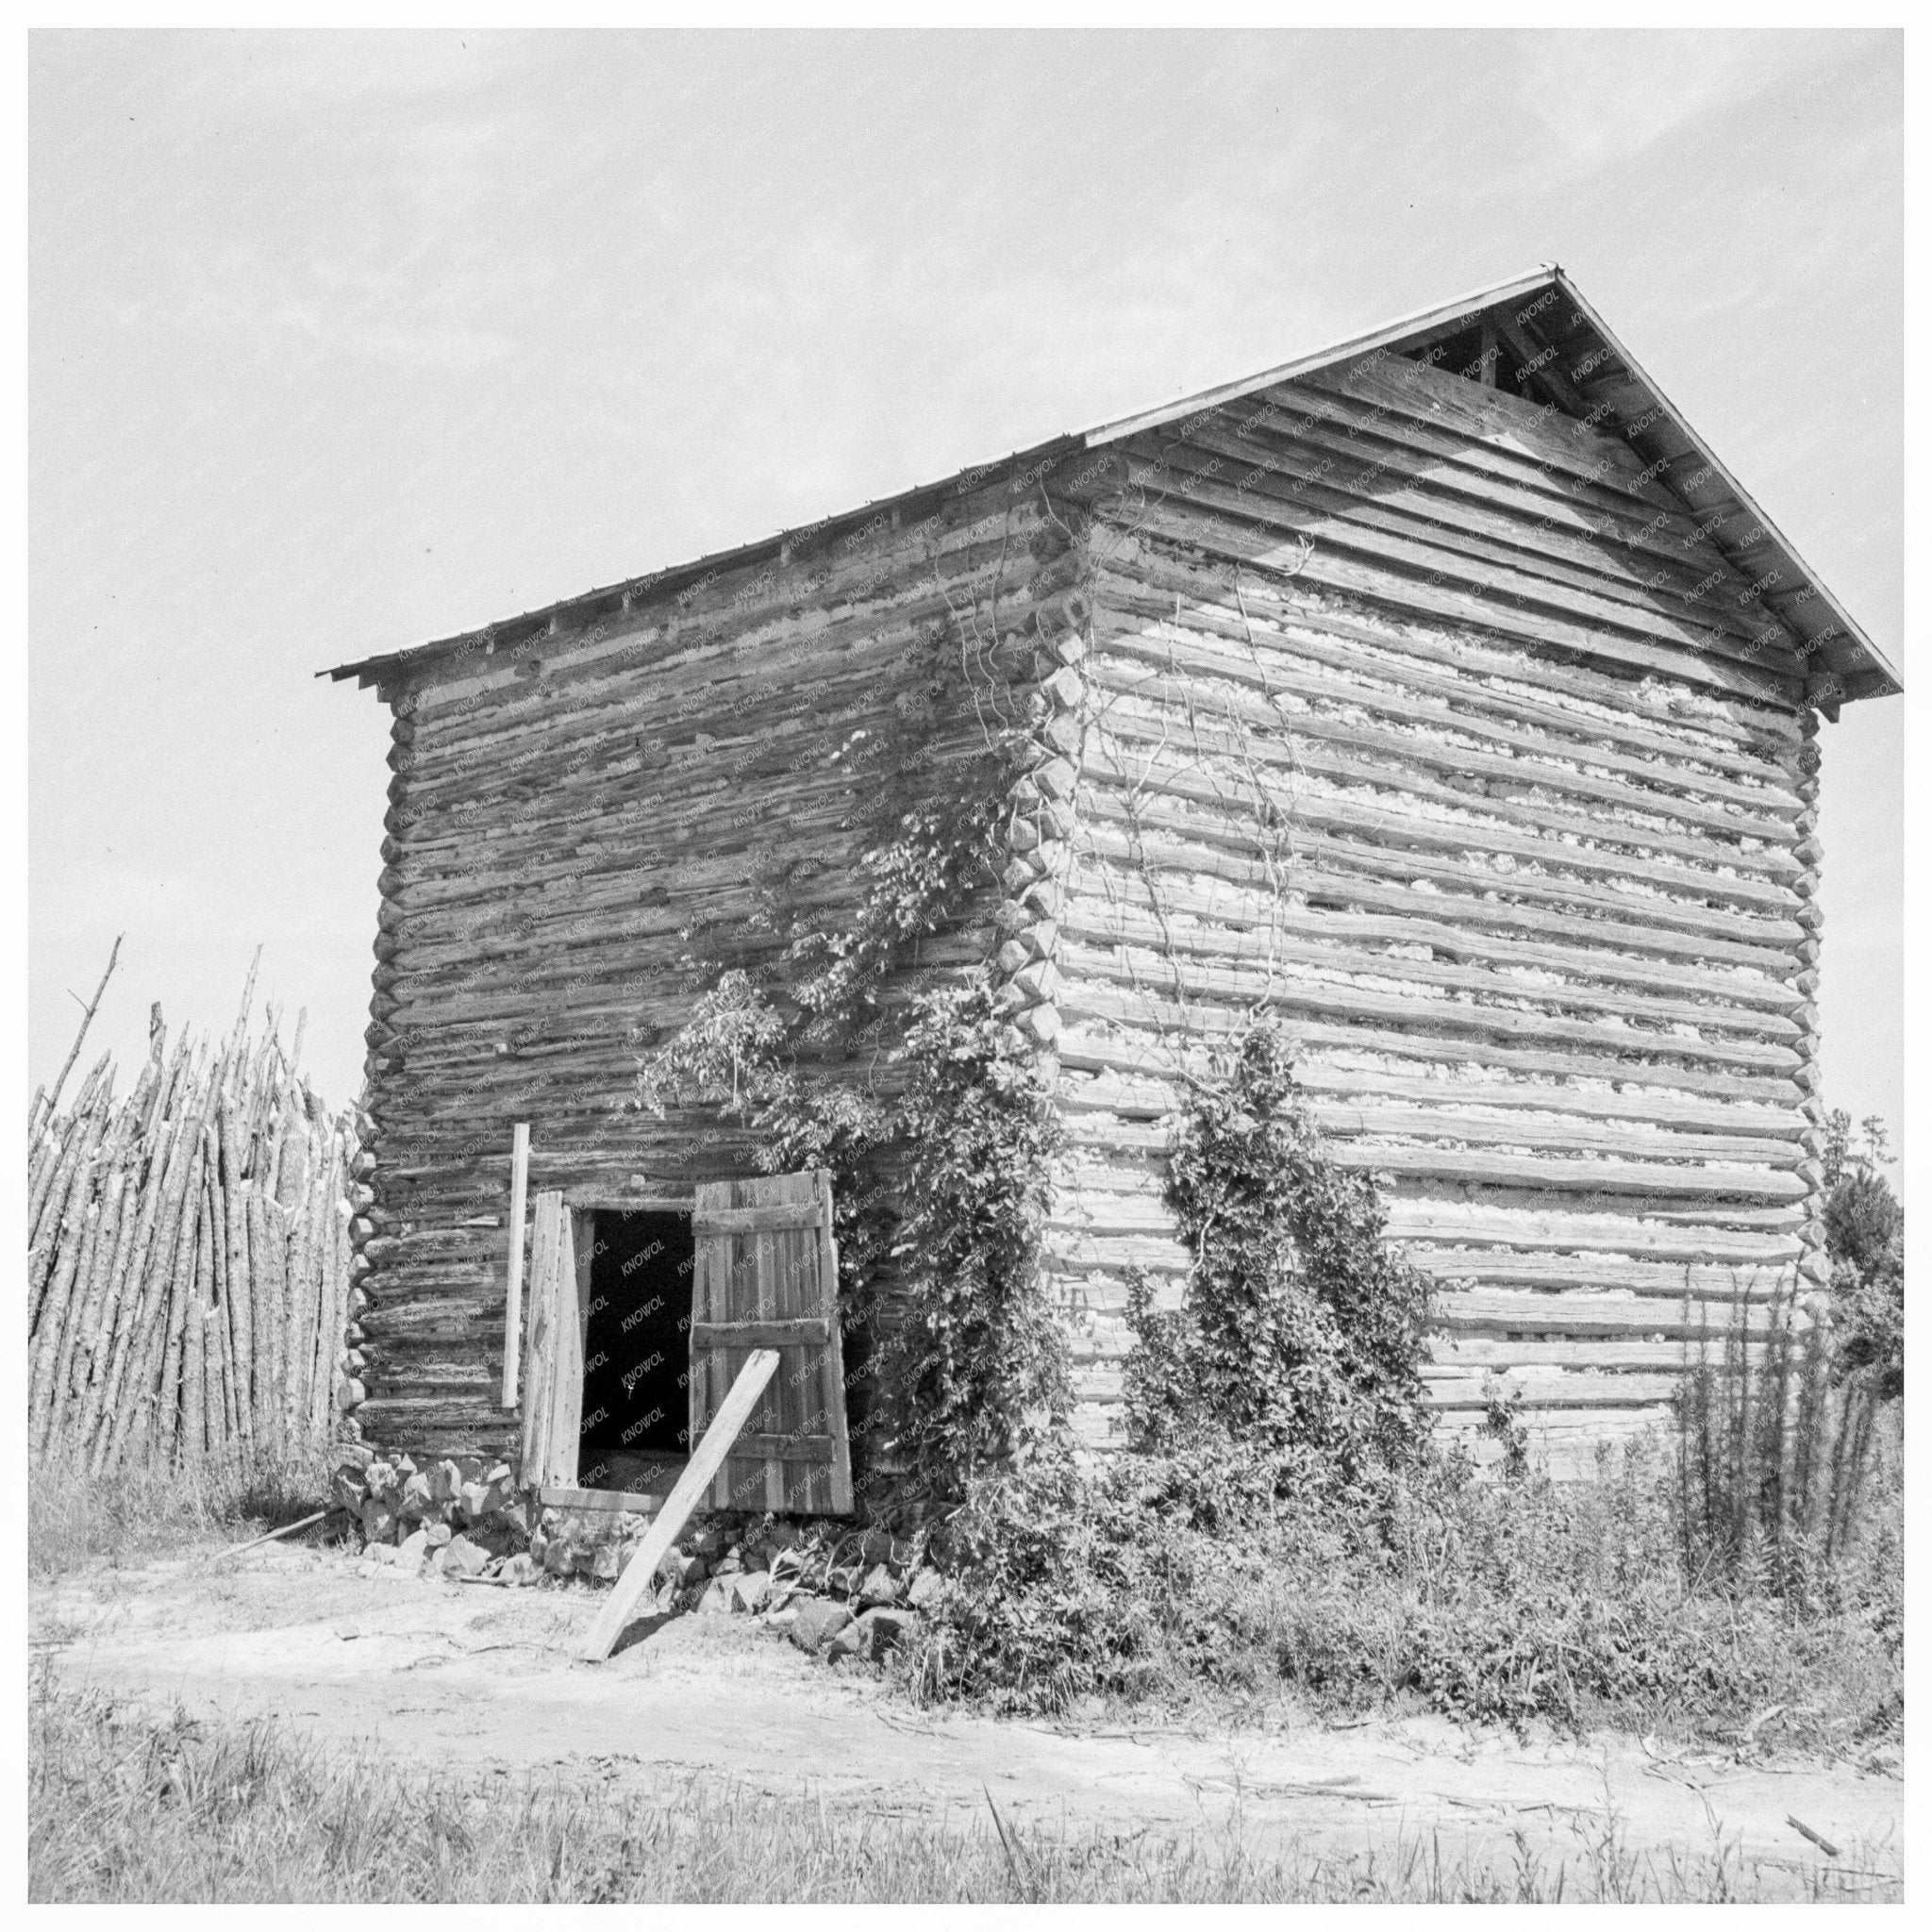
{"x": 1175, "y": 1578}
{"x": 1289, "y": 1522}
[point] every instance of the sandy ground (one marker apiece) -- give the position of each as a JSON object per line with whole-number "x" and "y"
{"x": 475, "y": 1681}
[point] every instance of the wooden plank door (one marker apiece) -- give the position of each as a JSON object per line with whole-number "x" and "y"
{"x": 554, "y": 1361}
{"x": 767, "y": 1277}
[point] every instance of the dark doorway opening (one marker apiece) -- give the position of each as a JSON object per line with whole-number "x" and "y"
{"x": 636, "y": 1351}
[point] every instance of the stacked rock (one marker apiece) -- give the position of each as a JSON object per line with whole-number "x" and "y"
{"x": 460, "y": 1515}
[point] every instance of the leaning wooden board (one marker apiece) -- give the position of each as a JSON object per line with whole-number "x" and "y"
{"x": 704, "y": 1463}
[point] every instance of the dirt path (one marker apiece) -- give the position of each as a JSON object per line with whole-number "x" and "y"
{"x": 471, "y": 1681}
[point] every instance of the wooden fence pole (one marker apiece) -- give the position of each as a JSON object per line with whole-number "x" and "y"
{"x": 87, "y": 1020}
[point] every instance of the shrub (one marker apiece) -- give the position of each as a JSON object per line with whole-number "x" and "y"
{"x": 1203, "y": 1577}
{"x": 1301, "y": 1331}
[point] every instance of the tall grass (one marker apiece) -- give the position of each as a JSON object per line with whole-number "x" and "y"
{"x": 127, "y": 1807}
{"x": 76, "y": 1521}
{"x": 1775, "y": 1452}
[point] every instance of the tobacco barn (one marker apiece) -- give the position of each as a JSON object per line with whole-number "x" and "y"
{"x": 1440, "y": 691}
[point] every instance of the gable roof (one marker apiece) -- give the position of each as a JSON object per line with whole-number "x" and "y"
{"x": 1536, "y": 327}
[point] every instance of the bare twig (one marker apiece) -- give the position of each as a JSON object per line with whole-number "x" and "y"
{"x": 87, "y": 1020}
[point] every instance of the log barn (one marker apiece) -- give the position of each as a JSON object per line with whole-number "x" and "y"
{"x": 1440, "y": 691}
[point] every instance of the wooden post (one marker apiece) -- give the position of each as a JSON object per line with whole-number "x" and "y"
{"x": 706, "y": 1459}
{"x": 513, "y": 1302}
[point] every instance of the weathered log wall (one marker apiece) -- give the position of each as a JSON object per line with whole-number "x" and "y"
{"x": 1431, "y": 720}
{"x": 584, "y": 828}
{"x": 1426, "y": 717}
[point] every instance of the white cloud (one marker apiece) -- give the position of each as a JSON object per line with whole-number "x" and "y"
{"x": 1607, "y": 95}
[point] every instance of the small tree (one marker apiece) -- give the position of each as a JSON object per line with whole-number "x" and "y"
{"x": 1303, "y": 1331}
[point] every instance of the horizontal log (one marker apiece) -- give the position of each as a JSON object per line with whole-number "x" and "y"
{"x": 1490, "y": 676}
{"x": 1561, "y": 454}
{"x": 1396, "y": 696}
{"x": 1216, "y": 663}
{"x": 1147, "y": 1021}
{"x": 1093, "y": 983}
{"x": 1114, "y": 866}
{"x": 1341, "y": 1120}
{"x": 1478, "y": 1167}
{"x": 1418, "y": 1210}
{"x": 771, "y": 1448}
{"x": 1546, "y": 1226}
{"x": 697, "y": 642}
{"x": 1326, "y": 946}
{"x": 1480, "y": 1354}
{"x": 1544, "y": 1388}
{"x": 1438, "y": 553}
{"x": 611, "y": 1502}
{"x": 1582, "y": 1313}
{"x": 1573, "y": 1437}
{"x": 689, "y": 643}
{"x": 799, "y": 1332}
{"x": 1159, "y": 835}
{"x": 1161, "y": 776}
{"x": 1604, "y": 1177}
{"x": 1269, "y": 765}
{"x": 1456, "y": 928}
{"x": 1074, "y": 1246}
{"x": 1390, "y": 487}
{"x": 1705, "y": 1259}
{"x": 604, "y": 1198}
{"x": 1469, "y": 478}
{"x": 1230, "y": 538}
{"x": 785, "y": 1217}
{"x": 1149, "y": 1096}
{"x": 1706, "y": 1276}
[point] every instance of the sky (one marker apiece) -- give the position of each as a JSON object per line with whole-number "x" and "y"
{"x": 340, "y": 342}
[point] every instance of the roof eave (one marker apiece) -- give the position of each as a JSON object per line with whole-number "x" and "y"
{"x": 1391, "y": 335}
{"x": 1787, "y": 549}
{"x": 1876, "y": 676}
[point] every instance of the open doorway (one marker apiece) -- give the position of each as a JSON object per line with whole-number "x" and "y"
{"x": 636, "y": 1351}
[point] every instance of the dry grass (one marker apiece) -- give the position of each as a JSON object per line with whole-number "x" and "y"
{"x": 127, "y": 1807}
{"x": 77, "y": 1522}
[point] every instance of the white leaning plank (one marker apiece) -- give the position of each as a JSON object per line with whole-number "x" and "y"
{"x": 733, "y": 1412}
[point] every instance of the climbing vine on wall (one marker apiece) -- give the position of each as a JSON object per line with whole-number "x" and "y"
{"x": 928, "y": 1110}
{"x": 1303, "y": 1331}
{"x": 977, "y": 1373}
